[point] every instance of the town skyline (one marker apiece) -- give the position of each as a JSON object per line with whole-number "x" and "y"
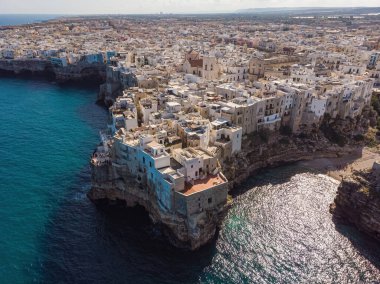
{"x": 84, "y": 7}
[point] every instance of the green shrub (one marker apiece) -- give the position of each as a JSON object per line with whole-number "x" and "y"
{"x": 375, "y": 102}
{"x": 284, "y": 141}
{"x": 359, "y": 137}
{"x": 285, "y": 130}
{"x": 264, "y": 135}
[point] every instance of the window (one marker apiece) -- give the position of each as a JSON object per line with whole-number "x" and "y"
{"x": 191, "y": 166}
{"x": 209, "y": 200}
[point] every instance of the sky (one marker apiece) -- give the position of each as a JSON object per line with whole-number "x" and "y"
{"x": 166, "y": 6}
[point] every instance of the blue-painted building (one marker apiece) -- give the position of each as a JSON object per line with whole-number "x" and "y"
{"x": 58, "y": 61}
{"x": 95, "y": 58}
{"x": 109, "y": 55}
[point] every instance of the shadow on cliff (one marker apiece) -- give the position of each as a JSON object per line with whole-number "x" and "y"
{"x": 318, "y": 166}
{"x": 49, "y": 76}
{"x": 86, "y": 244}
{"x": 364, "y": 244}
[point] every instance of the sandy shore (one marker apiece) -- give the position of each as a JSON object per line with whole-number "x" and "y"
{"x": 338, "y": 168}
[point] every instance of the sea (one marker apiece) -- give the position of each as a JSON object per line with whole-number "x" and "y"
{"x": 278, "y": 230}
{"x": 21, "y": 19}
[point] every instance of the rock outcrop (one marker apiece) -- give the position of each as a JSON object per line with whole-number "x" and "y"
{"x": 112, "y": 181}
{"x": 279, "y": 151}
{"x": 117, "y": 80}
{"x": 358, "y": 201}
{"x": 41, "y": 67}
{"x": 272, "y": 149}
{"x": 182, "y": 231}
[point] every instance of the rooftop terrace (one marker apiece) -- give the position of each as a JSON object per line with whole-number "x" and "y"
{"x": 203, "y": 184}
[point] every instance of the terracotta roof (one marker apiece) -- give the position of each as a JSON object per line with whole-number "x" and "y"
{"x": 202, "y": 184}
{"x": 192, "y": 52}
{"x": 196, "y": 63}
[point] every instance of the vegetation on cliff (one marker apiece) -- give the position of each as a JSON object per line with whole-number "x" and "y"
{"x": 375, "y": 102}
{"x": 362, "y": 129}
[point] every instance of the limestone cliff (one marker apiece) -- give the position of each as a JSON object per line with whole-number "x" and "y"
{"x": 72, "y": 73}
{"x": 183, "y": 231}
{"x": 278, "y": 151}
{"x": 112, "y": 181}
{"x": 271, "y": 149}
{"x": 358, "y": 202}
{"x": 116, "y": 81}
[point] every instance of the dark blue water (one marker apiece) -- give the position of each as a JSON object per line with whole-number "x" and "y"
{"x": 278, "y": 230}
{"x": 20, "y": 19}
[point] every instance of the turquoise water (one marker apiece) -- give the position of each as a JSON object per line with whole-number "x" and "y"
{"x": 20, "y": 19}
{"x": 278, "y": 230}
{"x": 46, "y": 135}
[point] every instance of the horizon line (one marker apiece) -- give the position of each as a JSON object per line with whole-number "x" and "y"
{"x": 188, "y": 13}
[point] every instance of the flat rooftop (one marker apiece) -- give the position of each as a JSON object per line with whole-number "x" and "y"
{"x": 202, "y": 184}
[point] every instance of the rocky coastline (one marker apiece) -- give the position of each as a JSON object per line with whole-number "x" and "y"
{"x": 260, "y": 151}
{"x": 115, "y": 83}
{"x": 78, "y": 73}
{"x": 111, "y": 182}
{"x": 358, "y": 201}
{"x": 108, "y": 188}
{"x": 182, "y": 232}
{"x": 253, "y": 159}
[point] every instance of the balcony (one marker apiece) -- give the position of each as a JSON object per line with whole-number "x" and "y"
{"x": 270, "y": 119}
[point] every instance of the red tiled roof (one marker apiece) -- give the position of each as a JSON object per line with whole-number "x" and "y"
{"x": 203, "y": 184}
{"x": 196, "y": 63}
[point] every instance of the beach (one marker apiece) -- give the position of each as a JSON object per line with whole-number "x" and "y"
{"x": 340, "y": 167}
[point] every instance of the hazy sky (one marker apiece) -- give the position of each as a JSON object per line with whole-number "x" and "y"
{"x": 155, "y": 6}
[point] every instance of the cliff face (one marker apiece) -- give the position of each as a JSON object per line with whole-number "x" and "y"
{"x": 20, "y": 66}
{"x": 111, "y": 181}
{"x": 189, "y": 232}
{"x": 358, "y": 202}
{"x": 72, "y": 73}
{"x": 116, "y": 82}
{"x": 281, "y": 150}
{"x": 84, "y": 72}
{"x": 265, "y": 150}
